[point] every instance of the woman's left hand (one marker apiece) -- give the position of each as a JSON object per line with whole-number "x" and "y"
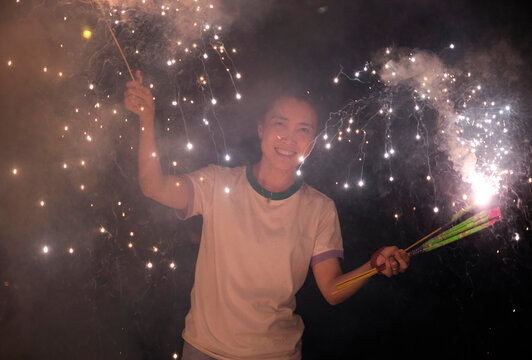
{"x": 396, "y": 260}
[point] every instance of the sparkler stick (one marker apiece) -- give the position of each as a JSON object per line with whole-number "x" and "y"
{"x": 361, "y": 276}
{"x": 100, "y": 7}
{"x": 346, "y": 283}
{"x": 373, "y": 271}
{"x": 455, "y": 217}
{"x": 469, "y": 223}
{"x": 470, "y": 226}
{"x": 449, "y": 240}
{"x": 476, "y": 223}
{"x": 424, "y": 238}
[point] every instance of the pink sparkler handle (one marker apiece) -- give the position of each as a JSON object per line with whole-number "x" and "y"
{"x": 494, "y": 215}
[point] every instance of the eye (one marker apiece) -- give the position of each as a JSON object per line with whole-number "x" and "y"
{"x": 305, "y": 130}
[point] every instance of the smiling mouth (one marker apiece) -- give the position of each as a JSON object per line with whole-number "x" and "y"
{"x": 284, "y": 152}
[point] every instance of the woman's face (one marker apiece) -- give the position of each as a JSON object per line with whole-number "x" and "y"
{"x": 287, "y": 133}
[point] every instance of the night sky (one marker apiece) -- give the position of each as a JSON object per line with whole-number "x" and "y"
{"x": 91, "y": 269}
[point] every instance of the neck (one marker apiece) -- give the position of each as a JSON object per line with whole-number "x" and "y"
{"x": 272, "y": 179}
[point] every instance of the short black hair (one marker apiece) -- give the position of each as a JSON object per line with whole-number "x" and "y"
{"x": 274, "y": 91}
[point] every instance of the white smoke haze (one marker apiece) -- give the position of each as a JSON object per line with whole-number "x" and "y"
{"x": 184, "y": 21}
{"x": 431, "y": 81}
{"x": 467, "y": 98}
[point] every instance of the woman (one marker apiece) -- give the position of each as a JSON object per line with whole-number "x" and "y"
{"x": 262, "y": 229}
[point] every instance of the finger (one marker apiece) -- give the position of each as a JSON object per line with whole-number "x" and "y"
{"x": 130, "y": 85}
{"x": 132, "y": 105}
{"x": 132, "y": 99}
{"x": 388, "y": 271}
{"x": 135, "y": 93}
{"x": 396, "y": 267}
{"x": 134, "y": 85}
{"x": 401, "y": 263}
{"x": 133, "y": 102}
{"x": 141, "y": 92}
{"x": 138, "y": 75}
{"x": 137, "y": 85}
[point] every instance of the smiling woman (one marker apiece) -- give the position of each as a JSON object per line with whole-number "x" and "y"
{"x": 263, "y": 227}
{"x": 287, "y": 135}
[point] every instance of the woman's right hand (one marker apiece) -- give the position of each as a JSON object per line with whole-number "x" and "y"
{"x": 138, "y": 99}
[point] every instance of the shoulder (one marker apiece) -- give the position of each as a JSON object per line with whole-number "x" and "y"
{"x": 228, "y": 172}
{"x": 212, "y": 173}
{"x": 314, "y": 197}
{"x": 217, "y": 170}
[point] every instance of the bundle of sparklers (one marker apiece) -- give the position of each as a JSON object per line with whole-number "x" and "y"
{"x": 444, "y": 235}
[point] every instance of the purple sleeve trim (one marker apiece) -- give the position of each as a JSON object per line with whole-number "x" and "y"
{"x": 186, "y": 213}
{"x": 326, "y": 255}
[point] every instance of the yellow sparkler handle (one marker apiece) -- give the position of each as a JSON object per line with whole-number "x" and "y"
{"x": 423, "y": 239}
{"x": 355, "y": 277}
{"x": 346, "y": 283}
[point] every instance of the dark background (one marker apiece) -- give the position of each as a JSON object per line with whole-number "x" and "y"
{"x": 470, "y": 299}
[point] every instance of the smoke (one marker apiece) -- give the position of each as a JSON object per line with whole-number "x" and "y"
{"x": 467, "y": 97}
{"x": 157, "y": 31}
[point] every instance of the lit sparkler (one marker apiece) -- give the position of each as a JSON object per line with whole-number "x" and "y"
{"x": 471, "y": 127}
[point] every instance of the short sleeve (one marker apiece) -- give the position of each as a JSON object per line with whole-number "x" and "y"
{"x": 328, "y": 242}
{"x": 201, "y": 183}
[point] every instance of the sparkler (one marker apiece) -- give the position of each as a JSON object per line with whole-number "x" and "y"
{"x": 190, "y": 31}
{"x": 92, "y": 221}
{"x": 471, "y": 128}
{"x": 87, "y": 35}
{"x": 476, "y": 223}
{"x": 190, "y": 49}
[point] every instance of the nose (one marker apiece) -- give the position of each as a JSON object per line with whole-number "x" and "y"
{"x": 286, "y": 136}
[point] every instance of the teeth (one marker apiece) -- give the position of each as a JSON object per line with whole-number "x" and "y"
{"x": 284, "y": 152}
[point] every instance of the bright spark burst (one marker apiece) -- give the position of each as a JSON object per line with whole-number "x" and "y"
{"x": 472, "y": 128}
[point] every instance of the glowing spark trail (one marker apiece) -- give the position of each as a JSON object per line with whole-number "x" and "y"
{"x": 470, "y": 127}
{"x": 87, "y": 34}
{"x": 176, "y": 44}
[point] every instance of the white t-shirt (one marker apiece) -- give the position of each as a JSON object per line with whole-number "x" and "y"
{"x": 255, "y": 252}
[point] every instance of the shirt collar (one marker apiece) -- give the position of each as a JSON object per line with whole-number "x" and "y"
{"x": 268, "y": 194}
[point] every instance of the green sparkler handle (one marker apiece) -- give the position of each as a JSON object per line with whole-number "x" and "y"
{"x": 430, "y": 247}
{"x": 476, "y": 223}
{"x": 492, "y": 215}
{"x": 476, "y": 220}
{"x": 467, "y": 224}
{"x": 470, "y": 226}
{"x": 461, "y": 213}
{"x": 447, "y": 227}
